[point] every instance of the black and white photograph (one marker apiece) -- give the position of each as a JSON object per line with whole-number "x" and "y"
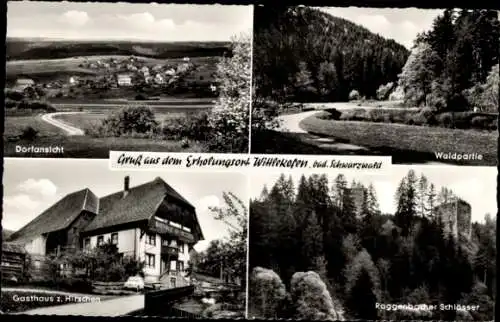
{"x": 418, "y": 244}
{"x": 420, "y": 85}
{"x": 109, "y": 243}
{"x": 84, "y": 78}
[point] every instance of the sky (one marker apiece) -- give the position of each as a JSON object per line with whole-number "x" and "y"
{"x": 126, "y": 21}
{"x": 402, "y": 25}
{"x": 33, "y": 185}
{"x": 476, "y": 185}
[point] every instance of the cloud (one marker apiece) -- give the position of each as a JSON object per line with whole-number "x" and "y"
{"x": 207, "y": 202}
{"x": 375, "y": 23}
{"x": 75, "y": 18}
{"x": 21, "y": 202}
{"x": 40, "y": 187}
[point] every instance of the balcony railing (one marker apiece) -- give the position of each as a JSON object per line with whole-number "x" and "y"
{"x": 161, "y": 227}
{"x": 169, "y": 250}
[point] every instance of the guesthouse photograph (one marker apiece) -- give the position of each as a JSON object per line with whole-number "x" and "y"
{"x": 420, "y": 85}
{"x": 164, "y": 244}
{"x": 83, "y": 78}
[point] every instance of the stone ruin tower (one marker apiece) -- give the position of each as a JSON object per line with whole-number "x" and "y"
{"x": 456, "y": 217}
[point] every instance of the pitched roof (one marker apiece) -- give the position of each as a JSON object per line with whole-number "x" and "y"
{"x": 140, "y": 203}
{"x": 13, "y": 248}
{"x": 59, "y": 216}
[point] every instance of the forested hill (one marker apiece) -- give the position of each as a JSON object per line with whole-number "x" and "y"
{"x": 25, "y": 49}
{"x": 306, "y": 54}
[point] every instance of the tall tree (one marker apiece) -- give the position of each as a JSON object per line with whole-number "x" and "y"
{"x": 422, "y": 195}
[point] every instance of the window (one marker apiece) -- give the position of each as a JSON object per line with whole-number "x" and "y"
{"x": 181, "y": 266}
{"x": 100, "y": 240}
{"x": 150, "y": 260}
{"x": 86, "y": 243}
{"x": 114, "y": 238}
{"x": 151, "y": 239}
{"x": 181, "y": 247}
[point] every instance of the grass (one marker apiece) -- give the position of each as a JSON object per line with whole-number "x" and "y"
{"x": 394, "y": 137}
{"x": 14, "y": 126}
{"x": 88, "y": 147}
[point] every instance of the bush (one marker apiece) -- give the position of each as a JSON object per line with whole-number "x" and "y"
{"x": 141, "y": 97}
{"x": 35, "y": 106}
{"x": 14, "y": 95}
{"x": 377, "y": 115}
{"x": 333, "y": 113}
{"x": 354, "y": 95}
{"x": 445, "y": 120}
{"x": 428, "y": 116}
{"x": 128, "y": 120}
{"x": 484, "y": 123}
{"x": 29, "y": 134}
{"x": 193, "y": 126}
{"x": 9, "y": 103}
{"x": 384, "y": 91}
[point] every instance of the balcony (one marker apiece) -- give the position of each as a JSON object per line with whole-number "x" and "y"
{"x": 169, "y": 250}
{"x": 162, "y": 227}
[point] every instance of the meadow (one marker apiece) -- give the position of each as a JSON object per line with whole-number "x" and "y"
{"x": 419, "y": 139}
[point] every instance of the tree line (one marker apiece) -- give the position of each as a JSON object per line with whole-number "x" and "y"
{"x": 304, "y": 54}
{"x": 364, "y": 256}
{"x": 454, "y": 65}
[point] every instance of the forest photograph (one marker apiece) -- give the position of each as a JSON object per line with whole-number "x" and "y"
{"x": 417, "y": 244}
{"x": 416, "y": 84}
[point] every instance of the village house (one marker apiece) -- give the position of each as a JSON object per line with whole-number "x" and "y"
{"x": 124, "y": 80}
{"x": 145, "y": 71}
{"x": 74, "y": 80}
{"x": 23, "y": 83}
{"x": 170, "y": 72}
{"x": 182, "y": 68}
{"x": 150, "y": 222}
{"x": 159, "y": 79}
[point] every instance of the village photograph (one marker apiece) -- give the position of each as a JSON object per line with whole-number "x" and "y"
{"x": 419, "y": 85}
{"x": 84, "y": 78}
{"x": 418, "y": 244}
{"x": 169, "y": 244}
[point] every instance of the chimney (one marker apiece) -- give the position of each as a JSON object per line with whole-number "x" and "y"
{"x": 126, "y": 186}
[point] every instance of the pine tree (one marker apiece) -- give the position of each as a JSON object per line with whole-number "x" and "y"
{"x": 422, "y": 195}
{"x": 372, "y": 201}
{"x": 431, "y": 201}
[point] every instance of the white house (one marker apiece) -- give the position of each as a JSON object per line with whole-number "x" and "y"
{"x": 150, "y": 222}
{"x": 159, "y": 79}
{"x": 144, "y": 70}
{"x": 73, "y": 80}
{"x": 170, "y": 72}
{"x": 23, "y": 83}
{"x": 124, "y": 80}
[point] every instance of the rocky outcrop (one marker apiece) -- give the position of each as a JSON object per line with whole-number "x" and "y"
{"x": 311, "y": 298}
{"x": 267, "y": 292}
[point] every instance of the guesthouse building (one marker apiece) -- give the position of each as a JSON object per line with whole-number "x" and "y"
{"x": 150, "y": 222}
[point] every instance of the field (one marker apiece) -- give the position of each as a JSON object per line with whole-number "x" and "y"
{"x": 387, "y": 136}
{"x": 97, "y": 147}
{"x": 14, "y": 126}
